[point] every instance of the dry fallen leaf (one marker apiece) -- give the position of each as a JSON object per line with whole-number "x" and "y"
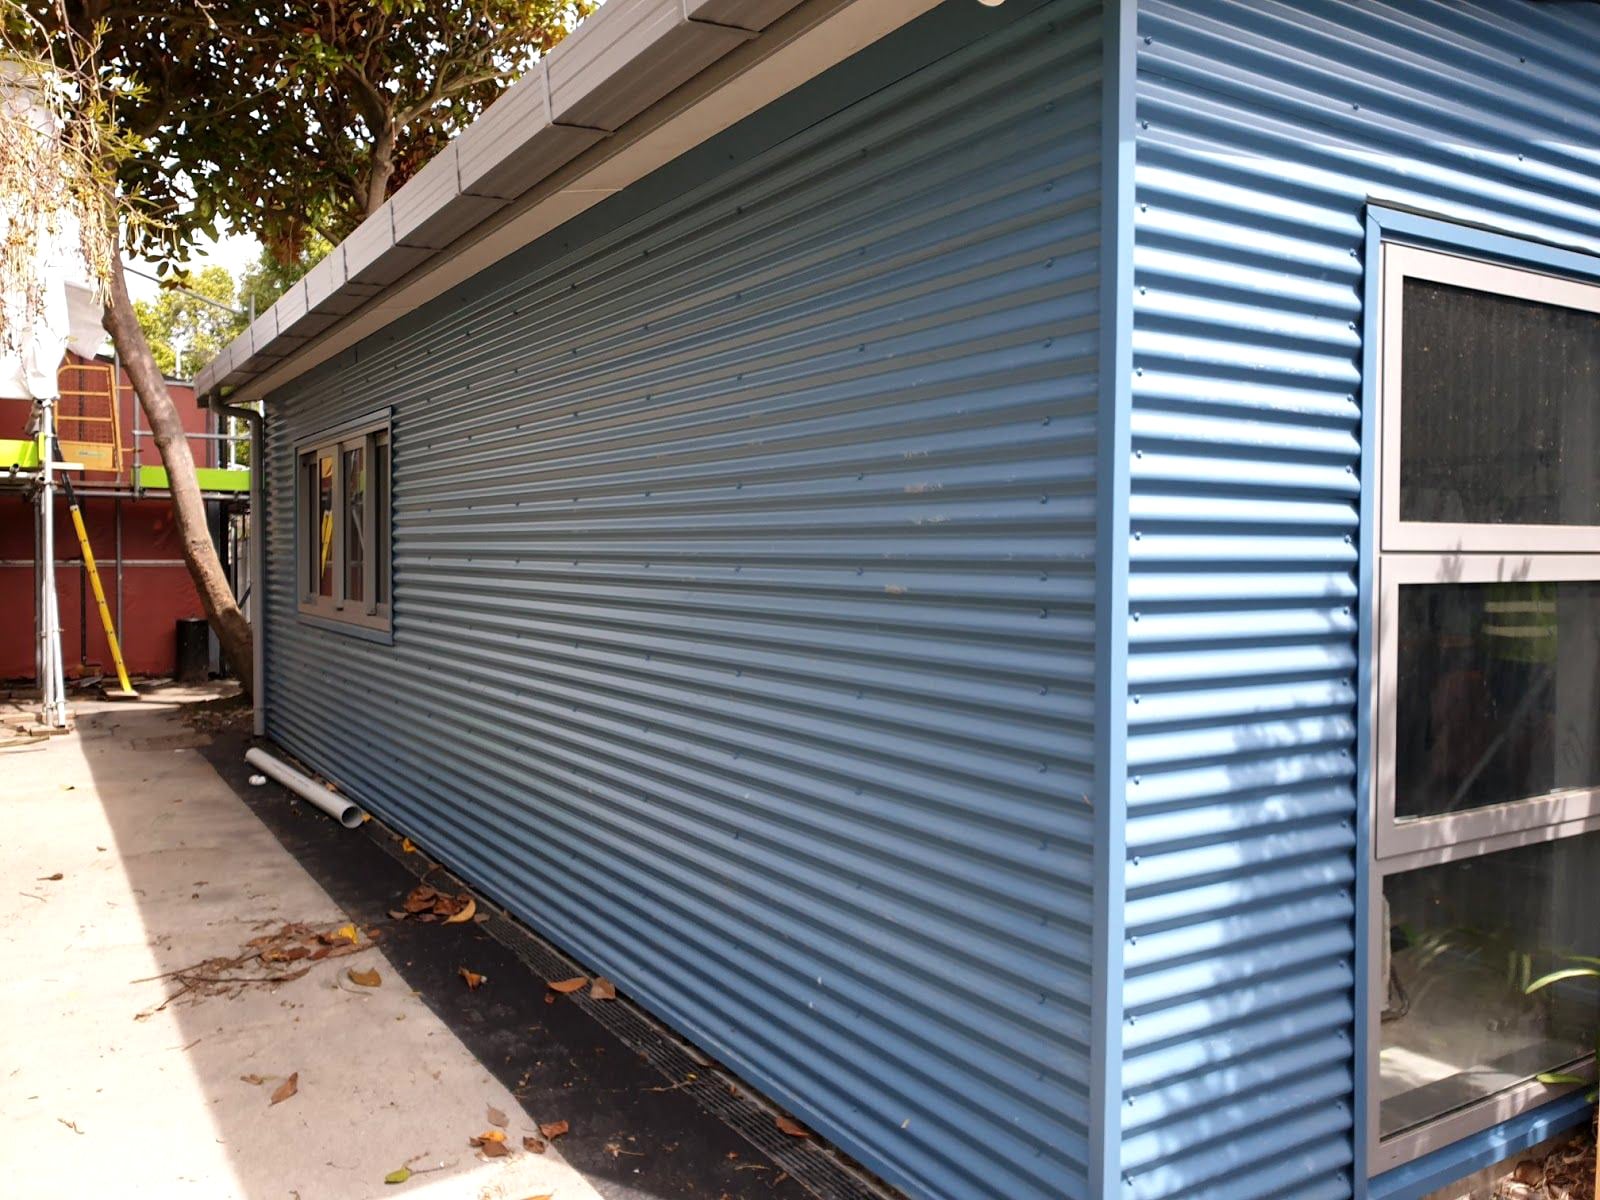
{"x": 399, "y": 914}
{"x": 407, "y": 845}
{"x": 602, "y": 989}
{"x": 494, "y": 1149}
{"x": 286, "y": 1089}
{"x": 554, "y": 1129}
{"x": 570, "y": 985}
{"x": 792, "y": 1127}
{"x": 51, "y": 878}
{"x": 473, "y": 980}
{"x": 533, "y": 1145}
{"x": 254, "y": 1080}
{"x": 466, "y": 914}
{"x": 367, "y": 978}
{"x": 348, "y": 932}
{"x": 400, "y": 1176}
{"x": 487, "y": 1136}
{"x": 496, "y": 1117}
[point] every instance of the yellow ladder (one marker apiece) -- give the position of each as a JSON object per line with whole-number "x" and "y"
{"x": 125, "y": 692}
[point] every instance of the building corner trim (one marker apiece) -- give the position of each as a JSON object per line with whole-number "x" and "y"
{"x": 1117, "y": 157}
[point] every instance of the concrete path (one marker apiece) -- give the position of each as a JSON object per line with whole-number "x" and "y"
{"x": 124, "y": 856}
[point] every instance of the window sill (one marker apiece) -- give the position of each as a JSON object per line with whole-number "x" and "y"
{"x": 365, "y": 633}
{"x": 1458, "y": 1160}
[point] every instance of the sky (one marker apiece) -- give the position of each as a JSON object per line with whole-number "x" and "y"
{"x": 233, "y": 251}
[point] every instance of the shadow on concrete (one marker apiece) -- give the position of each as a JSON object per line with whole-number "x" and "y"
{"x": 634, "y": 1136}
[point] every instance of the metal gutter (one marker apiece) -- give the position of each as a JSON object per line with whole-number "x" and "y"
{"x": 633, "y": 87}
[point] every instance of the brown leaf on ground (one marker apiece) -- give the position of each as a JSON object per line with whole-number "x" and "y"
{"x": 494, "y": 1149}
{"x": 496, "y": 1117}
{"x": 792, "y": 1127}
{"x": 419, "y": 899}
{"x": 468, "y": 911}
{"x": 286, "y": 1089}
{"x": 51, "y": 878}
{"x": 554, "y": 1129}
{"x": 602, "y": 989}
{"x": 367, "y": 978}
{"x": 254, "y": 1080}
{"x": 408, "y": 846}
{"x": 472, "y": 979}
{"x": 533, "y": 1145}
{"x": 565, "y": 986}
{"x": 398, "y": 914}
{"x": 486, "y": 1137}
{"x": 549, "y": 997}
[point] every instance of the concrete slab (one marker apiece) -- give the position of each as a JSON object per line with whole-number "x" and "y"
{"x": 126, "y": 856}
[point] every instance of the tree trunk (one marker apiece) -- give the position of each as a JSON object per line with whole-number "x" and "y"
{"x": 199, "y": 554}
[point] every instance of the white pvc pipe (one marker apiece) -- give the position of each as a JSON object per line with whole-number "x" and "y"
{"x": 342, "y": 810}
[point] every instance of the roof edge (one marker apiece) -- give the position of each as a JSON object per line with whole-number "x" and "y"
{"x": 633, "y": 87}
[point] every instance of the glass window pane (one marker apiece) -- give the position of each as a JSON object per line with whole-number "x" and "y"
{"x": 1497, "y": 694}
{"x": 1498, "y": 421}
{"x": 381, "y": 515}
{"x": 355, "y": 541}
{"x": 1465, "y": 939}
{"x": 324, "y": 564}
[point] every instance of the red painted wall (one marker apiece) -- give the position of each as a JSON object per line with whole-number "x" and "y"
{"x": 156, "y": 586}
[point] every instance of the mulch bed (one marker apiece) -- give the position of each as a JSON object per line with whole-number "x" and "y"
{"x": 1564, "y": 1173}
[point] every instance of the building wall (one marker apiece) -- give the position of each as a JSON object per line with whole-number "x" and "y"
{"x": 743, "y": 636}
{"x": 1263, "y": 128}
{"x": 157, "y": 590}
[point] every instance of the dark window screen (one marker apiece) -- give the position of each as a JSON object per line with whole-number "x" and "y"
{"x": 1498, "y": 421}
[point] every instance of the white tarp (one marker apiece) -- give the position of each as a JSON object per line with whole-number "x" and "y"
{"x": 67, "y": 317}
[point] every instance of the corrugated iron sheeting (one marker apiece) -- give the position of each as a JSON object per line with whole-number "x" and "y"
{"x": 1264, "y": 127}
{"x": 743, "y": 608}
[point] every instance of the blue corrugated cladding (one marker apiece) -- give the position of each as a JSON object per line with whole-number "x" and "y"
{"x": 743, "y": 601}
{"x": 1263, "y": 129}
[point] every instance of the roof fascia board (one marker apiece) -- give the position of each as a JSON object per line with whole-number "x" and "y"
{"x": 805, "y": 42}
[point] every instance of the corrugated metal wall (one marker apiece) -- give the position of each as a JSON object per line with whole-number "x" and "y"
{"x": 743, "y": 583}
{"x": 1264, "y": 127}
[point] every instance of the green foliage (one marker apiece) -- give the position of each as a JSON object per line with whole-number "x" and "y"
{"x": 291, "y": 120}
{"x": 1562, "y": 1078}
{"x": 177, "y": 322}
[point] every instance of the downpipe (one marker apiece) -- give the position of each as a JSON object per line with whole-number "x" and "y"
{"x": 340, "y": 808}
{"x": 258, "y": 556}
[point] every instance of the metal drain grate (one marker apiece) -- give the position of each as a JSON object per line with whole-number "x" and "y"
{"x": 820, "y": 1170}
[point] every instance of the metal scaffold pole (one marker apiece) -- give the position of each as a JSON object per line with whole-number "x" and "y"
{"x": 52, "y": 675}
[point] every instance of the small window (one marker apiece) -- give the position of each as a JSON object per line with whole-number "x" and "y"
{"x": 1486, "y": 692}
{"x": 344, "y": 527}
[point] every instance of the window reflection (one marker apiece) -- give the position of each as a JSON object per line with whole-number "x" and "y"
{"x": 1465, "y": 940}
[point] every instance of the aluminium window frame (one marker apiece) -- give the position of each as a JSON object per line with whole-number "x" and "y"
{"x": 1416, "y": 552}
{"x": 369, "y": 616}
